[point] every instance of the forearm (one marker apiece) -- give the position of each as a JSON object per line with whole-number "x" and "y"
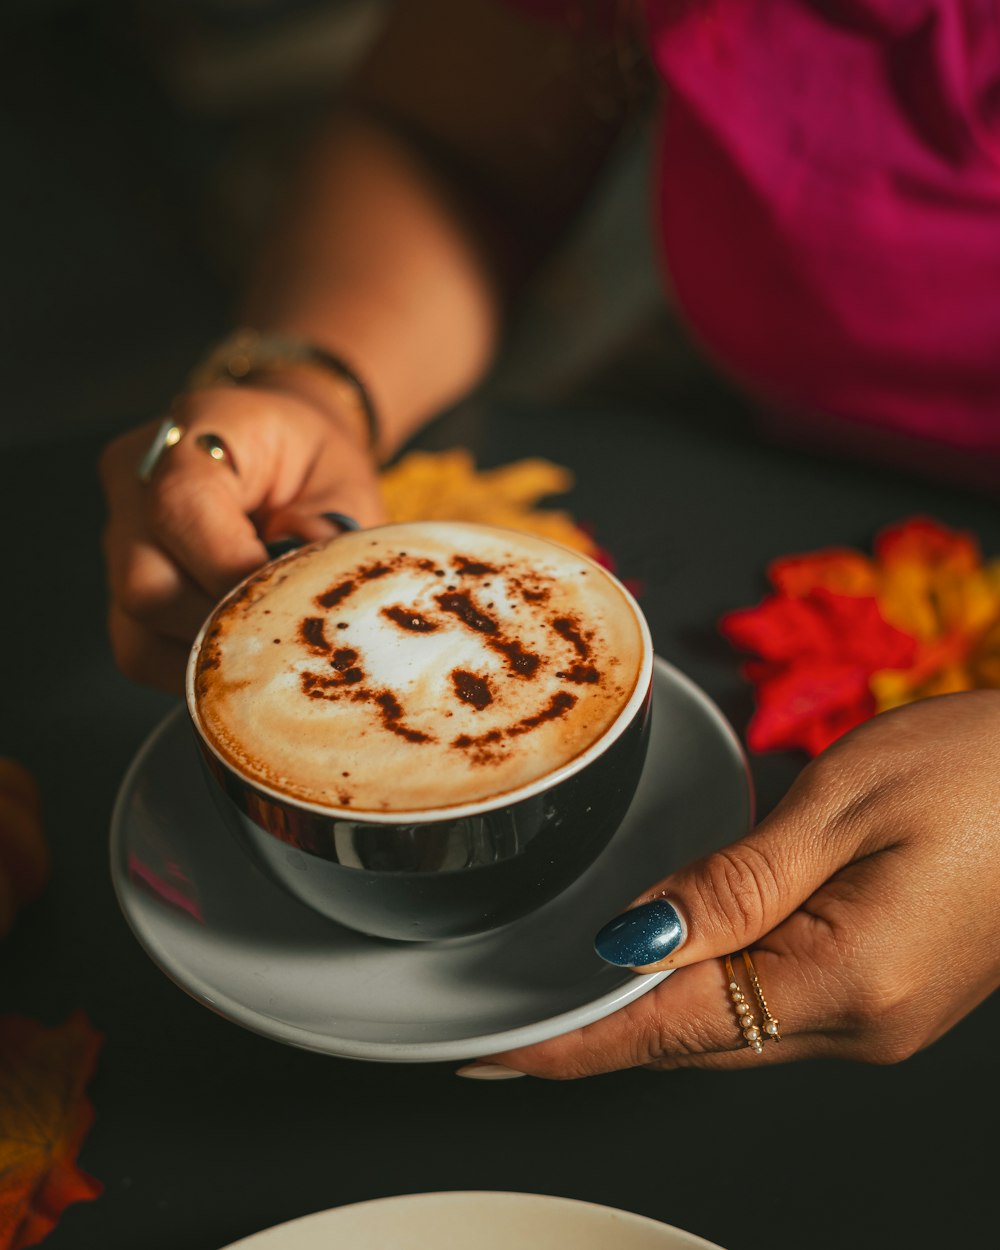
{"x": 420, "y": 211}
{"x": 378, "y": 262}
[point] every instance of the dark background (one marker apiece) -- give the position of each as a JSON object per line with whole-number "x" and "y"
{"x": 132, "y": 201}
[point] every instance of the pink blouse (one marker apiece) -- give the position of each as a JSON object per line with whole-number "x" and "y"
{"x": 828, "y": 204}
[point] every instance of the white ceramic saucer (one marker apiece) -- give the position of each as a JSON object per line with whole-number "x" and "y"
{"x": 488, "y": 1221}
{"x": 236, "y": 942}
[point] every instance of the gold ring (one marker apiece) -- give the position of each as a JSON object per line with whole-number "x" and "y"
{"x": 212, "y": 445}
{"x": 168, "y": 435}
{"x": 755, "y": 1035}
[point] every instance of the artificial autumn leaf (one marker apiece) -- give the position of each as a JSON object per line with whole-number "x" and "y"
{"x": 935, "y": 584}
{"x": 838, "y": 569}
{"x": 928, "y": 584}
{"x": 819, "y": 652}
{"x": 447, "y": 486}
{"x": 44, "y": 1117}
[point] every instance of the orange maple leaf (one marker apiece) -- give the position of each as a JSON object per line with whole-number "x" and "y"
{"x": 447, "y": 486}
{"x": 827, "y": 661}
{"x": 44, "y": 1117}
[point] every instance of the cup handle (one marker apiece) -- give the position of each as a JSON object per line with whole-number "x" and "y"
{"x": 283, "y": 546}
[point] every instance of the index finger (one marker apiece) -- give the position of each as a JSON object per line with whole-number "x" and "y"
{"x": 689, "y": 1020}
{"x": 198, "y": 512}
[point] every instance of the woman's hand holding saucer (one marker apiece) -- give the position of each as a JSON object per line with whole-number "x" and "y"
{"x": 867, "y": 900}
{"x": 247, "y": 465}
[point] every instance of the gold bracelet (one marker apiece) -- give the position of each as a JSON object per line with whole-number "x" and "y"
{"x": 237, "y": 358}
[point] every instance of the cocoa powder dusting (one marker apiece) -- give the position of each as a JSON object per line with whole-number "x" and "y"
{"x": 531, "y": 598}
{"x": 460, "y": 604}
{"x": 479, "y": 746}
{"x": 330, "y": 598}
{"x": 346, "y": 681}
{"x": 581, "y": 673}
{"x": 558, "y": 705}
{"x": 477, "y": 740}
{"x": 408, "y": 618}
{"x": 531, "y": 590}
{"x": 392, "y": 717}
{"x": 522, "y": 663}
{"x": 366, "y": 573}
{"x": 313, "y": 634}
{"x": 330, "y": 685}
{"x": 472, "y": 568}
{"x": 569, "y": 629}
{"x": 471, "y": 689}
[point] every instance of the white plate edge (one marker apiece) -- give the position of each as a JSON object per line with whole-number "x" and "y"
{"x": 265, "y": 1238}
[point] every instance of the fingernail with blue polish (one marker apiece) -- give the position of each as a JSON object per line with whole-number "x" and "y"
{"x": 342, "y": 519}
{"x": 643, "y": 935}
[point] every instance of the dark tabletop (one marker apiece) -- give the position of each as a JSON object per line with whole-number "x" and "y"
{"x": 204, "y": 1132}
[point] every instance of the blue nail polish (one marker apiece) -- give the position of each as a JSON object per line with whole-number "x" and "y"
{"x": 643, "y": 935}
{"x": 342, "y": 519}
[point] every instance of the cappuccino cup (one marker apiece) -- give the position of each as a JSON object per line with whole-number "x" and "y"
{"x": 424, "y": 730}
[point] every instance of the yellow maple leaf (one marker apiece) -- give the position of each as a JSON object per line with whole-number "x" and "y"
{"x": 447, "y": 486}
{"x": 934, "y": 585}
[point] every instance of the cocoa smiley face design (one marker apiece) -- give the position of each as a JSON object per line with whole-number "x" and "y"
{"x": 458, "y": 606}
{"x": 397, "y": 669}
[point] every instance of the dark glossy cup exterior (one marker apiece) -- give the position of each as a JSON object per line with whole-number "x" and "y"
{"x": 442, "y": 878}
{"x": 446, "y": 873}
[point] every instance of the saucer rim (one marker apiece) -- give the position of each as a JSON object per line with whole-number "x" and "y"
{"x": 632, "y": 986}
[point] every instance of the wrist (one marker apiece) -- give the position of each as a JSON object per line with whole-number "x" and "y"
{"x": 295, "y": 366}
{"x": 333, "y": 398}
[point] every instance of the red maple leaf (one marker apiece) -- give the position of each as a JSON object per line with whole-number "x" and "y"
{"x": 817, "y": 653}
{"x": 44, "y": 1117}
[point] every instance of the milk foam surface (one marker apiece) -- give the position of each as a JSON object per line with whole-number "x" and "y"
{"x": 415, "y": 667}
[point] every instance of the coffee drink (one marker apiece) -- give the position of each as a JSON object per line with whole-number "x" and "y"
{"x": 416, "y": 669}
{"x": 424, "y": 731}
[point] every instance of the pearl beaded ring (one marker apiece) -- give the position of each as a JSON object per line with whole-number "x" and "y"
{"x": 755, "y": 1035}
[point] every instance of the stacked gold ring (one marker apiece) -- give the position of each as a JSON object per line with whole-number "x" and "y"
{"x": 754, "y": 1034}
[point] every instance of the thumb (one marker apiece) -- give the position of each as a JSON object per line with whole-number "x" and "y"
{"x": 729, "y": 899}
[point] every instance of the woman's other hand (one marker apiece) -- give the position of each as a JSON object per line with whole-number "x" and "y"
{"x": 177, "y": 543}
{"x": 868, "y": 897}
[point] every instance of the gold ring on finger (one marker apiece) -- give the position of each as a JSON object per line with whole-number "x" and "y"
{"x": 754, "y": 1034}
{"x": 168, "y": 434}
{"x": 215, "y": 447}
